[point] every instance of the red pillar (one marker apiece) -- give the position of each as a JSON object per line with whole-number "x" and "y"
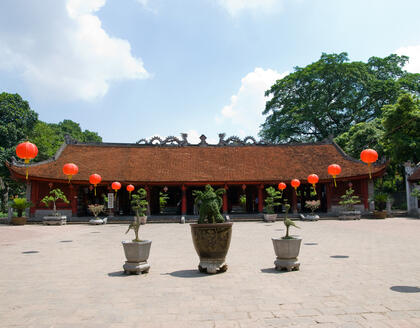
{"x": 260, "y": 198}
{"x": 365, "y": 193}
{"x": 294, "y": 201}
{"x": 184, "y": 200}
{"x": 34, "y": 196}
{"x": 225, "y": 200}
{"x": 73, "y": 201}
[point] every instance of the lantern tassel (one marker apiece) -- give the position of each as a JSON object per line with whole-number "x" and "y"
{"x": 335, "y": 183}
{"x": 27, "y": 170}
{"x": 70, "y": 178}
{"x": 95, "y": 190}
{"x": 314, "y": 188}
{"x": 370, "y": 174}
{"x": 296, "y": 191}
{"x": 129, "y": 194}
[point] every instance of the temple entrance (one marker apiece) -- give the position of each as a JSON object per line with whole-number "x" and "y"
{"x": 171, "y": 195}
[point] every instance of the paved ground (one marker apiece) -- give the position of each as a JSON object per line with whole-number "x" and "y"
{"x": 352, "y": 274}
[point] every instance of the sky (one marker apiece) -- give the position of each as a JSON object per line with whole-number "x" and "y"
{"x": 133, "y": 69}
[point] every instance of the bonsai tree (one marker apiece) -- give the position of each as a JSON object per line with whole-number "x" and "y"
{"x": 288, "y": 222}
{"x": 163, "y": 200}
{"x": 96, "y": 209}
{"x": 139, "y": 206}
{"x": 272, "y": 199}
{"x": 209, "y": 202}
{"x": 348, "y": 200}
{"x": 20, "y": 204}
{"x": 242, "y": 201}
{"x": 312, "y": 205}
{"x": 380, "y": 201}
{"x": 52, "y": 198}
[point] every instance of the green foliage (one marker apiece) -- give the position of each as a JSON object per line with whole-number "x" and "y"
{"x": 209, "y": 202}
{"x": 348, "y": 200}
{"x": 312, "y": 205}
{"x": 51, "y": 199}
{"x": 401, "y": 123}
{"x": 20, "y": 204}
{"x": 271, "y": 200}
{"x": 163, "y": 200}
{"x": 242, "y": 201}
{"x": 139, "y": 203}
{"x": 96, "y": 209}
{"x": 416, "y": 193}
{"x": 380, "y": 199}
{"x": 329, "y": 96}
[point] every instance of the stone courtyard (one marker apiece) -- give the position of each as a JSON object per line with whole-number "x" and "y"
{"x": 353, "y": 274}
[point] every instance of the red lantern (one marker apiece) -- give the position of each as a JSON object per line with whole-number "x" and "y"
{"x": 295, "y": 184}
{"x": 116, "y": 186}
{"x": 313, "y": 179}
{"x": 95, "y": 179}
{"x": 70, "y": 169}
{"x": 369, "y": 156}
{"x": 282, "y": 186}
{"x": 27, "y": 151}
{"x": 334, "y": 170}
{"x": 130, "y": 188}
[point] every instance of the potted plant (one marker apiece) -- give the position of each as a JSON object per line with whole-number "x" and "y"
{"x": 136, "y": 251}
{"x": 139, "y": 205}
{"x": 96, "y": 209}
{"x": 312, "y": 205}
{"x": 287, "y": 248}
{"x": 380, "y": 199}
{"x": 348, "y": 200}
{"x": 271, "y": 200}
{"x": 163, "y": 200}
{"x": 50, "y": 200}
{"x": 19, "y": 204}
{"x": 211, "y": 235}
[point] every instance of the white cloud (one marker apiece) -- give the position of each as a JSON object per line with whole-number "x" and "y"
{"x": 234, "y": 7}
{"x": 61, "y": 50}
{"x": 413, "y": 52}
{"x": 246, "y": 106}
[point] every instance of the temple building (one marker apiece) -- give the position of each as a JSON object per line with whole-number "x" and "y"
{"x": 245, "y": 168}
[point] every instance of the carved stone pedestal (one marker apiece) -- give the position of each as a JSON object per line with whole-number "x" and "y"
{"x": 287, "y": 264}
{"x": 136, "y": 267}
{"x": 212, "y": 266}
{"x": 54, "y": 220}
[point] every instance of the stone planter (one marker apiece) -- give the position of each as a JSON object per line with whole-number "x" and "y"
{"x": 21, "y": 220}
{"x": 54, "y": 220}
{"x": 310, "y": 217}
{"x": 270, "y": 217}
{"x": 287, "y": 251}
{"x": 350, "y": 215}
{"x": 379, "y": 214}
{"x": 96, "y": 221}
{"x": 211, "y": 242}
{"x": 136, "y": 253}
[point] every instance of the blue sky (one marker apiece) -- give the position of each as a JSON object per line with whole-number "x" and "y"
{"x": 131, "y": 69}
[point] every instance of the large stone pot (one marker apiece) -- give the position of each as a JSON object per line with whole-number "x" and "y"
{"x": 21, "y": 220}
{"x": 350, "y": 215}
{"x": 136, "y": 253}
{"x": 54, "y": 220}
{"x": 287, "y": 251}
{"x": 211, "y": 242}
{"x": 270, "y": 217}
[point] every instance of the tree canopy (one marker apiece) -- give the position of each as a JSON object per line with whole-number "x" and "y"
{"x": 329, "y": 96}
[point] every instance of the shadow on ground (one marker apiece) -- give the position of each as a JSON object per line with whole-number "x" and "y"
{"x": 272, "y": 270}
{"x": 187, "y": 274}
{"x": 405, "y": 289}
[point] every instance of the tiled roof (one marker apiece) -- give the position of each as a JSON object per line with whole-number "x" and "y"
{"x": 146, "y": 163}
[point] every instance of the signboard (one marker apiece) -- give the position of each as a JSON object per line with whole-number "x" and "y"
{"x": 111, "y": 200}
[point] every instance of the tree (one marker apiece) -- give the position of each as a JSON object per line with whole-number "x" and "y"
{"x": 16, "y": 121}
{"x": 329, "y": 96}
{"x": 401, "y": 123}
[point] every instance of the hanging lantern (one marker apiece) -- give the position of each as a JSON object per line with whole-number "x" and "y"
{"x": 369, "y": 156}
{"x": 95, "y": 179}
{"x": 27, "y": 151}
{"x": 70, "y": 169}
{"x": 130, "y": 188}
{"x": 116, "y": 186}
{"x": 295, "y": 184}
{"x": 334, "y": 170}
{"x": 313, "y": 179}
{"x": 281, "y": 187}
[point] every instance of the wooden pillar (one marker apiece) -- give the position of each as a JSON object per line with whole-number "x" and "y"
{"x": 34, "y": 196}
{"x": 365, "y": 194}
{"x": 184, "y": 200}
{"x": 225, "y": 200}
{"x": 73, "y": 200}
{"x": 260, "y": 198}
{"x": 148, "y": 198}
{"x": 328, "y": 194}
{"x": 294, "y": 201}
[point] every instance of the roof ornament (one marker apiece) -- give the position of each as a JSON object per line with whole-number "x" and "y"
{"x": 184, "y": 139}
{"x": 222, "y": 139}
{"x": 203, "y": 141}
{"x": 171, "y": 140}
{"x": 69, "y": 140}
